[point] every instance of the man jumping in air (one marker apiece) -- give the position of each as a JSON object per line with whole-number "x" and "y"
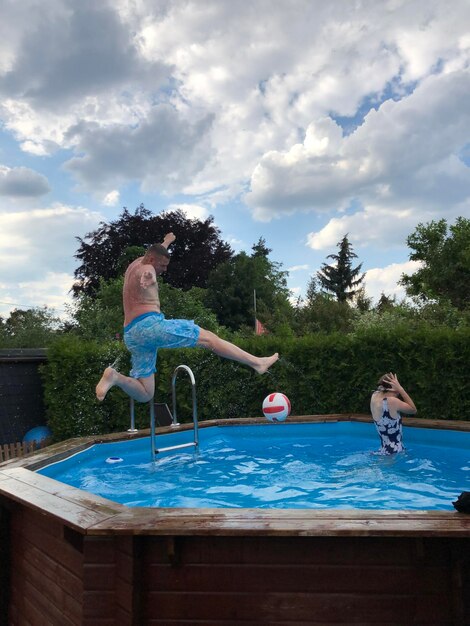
{"x": 146, "y": 330}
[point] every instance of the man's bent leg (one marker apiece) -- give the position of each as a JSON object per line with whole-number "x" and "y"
{"x": 140, "y": 389}
{"x": 230, "y": 351}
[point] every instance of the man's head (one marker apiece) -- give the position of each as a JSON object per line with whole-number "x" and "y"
{"x": 158, "y": 256}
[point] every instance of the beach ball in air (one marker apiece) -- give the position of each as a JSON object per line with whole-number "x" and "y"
{"x": 276, "y": 407}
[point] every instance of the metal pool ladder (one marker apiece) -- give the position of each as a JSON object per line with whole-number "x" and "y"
{"x": 175, "y": 424}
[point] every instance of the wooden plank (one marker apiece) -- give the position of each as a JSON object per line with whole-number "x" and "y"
{"x": 75, "y": 507}
{"x": 286, "y": 551}
{"x": 67, "y": 600}
{"x": 99, "y": 576}
{"x": 123, "y": 618}
{"x": 98, "y": 604}
{"x": 302, "y": 578}
{"x": 50, "y": 568}
{"x": 271, "y": 607}
{"x": 30, "y": 534}
{"x": 99, "y": 550}
{"x": 285, "y": 522}
{"x": 67, "y": 492}
{"x": 229, "y": 622}
{"x": 304, "y": 551}
{"x": 36, "y": 606}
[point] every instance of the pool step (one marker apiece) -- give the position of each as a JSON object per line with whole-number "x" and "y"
{"x": 181, "y": 445}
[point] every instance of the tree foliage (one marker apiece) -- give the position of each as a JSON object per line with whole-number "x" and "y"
{"x": 321, "y": 313}
{"x": 341, "y": 278}
{"x": 444, "y": 253}
{"x": 198, "y": 248}
{"x": 29, "y": 328}
{"x": 231, "y": 287}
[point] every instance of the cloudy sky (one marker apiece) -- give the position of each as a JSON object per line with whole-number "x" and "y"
{"x": 295, "y": 120}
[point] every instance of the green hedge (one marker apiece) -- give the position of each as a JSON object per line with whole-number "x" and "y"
{"x": 320, "y": 374}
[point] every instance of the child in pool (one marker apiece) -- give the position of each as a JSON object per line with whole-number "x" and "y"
{"x": 386, "y": 405}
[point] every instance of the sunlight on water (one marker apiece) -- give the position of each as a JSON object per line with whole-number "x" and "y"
{"x": 284, "y": 466}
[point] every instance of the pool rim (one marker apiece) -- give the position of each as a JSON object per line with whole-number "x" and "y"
{"x": 89, "y": 514}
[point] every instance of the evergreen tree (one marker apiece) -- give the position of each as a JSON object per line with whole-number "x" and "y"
{"x": 341, "y": 279}
{"x": 362, "y": 301}
{"x": 385, "y": 303}
{"x": 312, "y": 290}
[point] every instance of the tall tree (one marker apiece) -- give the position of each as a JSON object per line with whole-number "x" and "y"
{"x": 321, "y": 313}
{"x": 444, "y": 253}
{"x": 341, "y": 279}
{"x": 231, "y": 285}
{"x": 198, "y": 248}
{"x": 385, "y": 303}
{"x": 312, "y": 290}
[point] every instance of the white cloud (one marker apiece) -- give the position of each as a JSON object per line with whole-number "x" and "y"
{"x": 192, "y": 211}
{"x": 111, "y": 198}
{"x": 163, "y": 152}
{"x": 36, "y": 255}
{"x": 294, "y": 295}
{"x": 374, "y": 225}
{"x": 395, "y": 165}
{"x": 89, "y": 51}
{"x": 107, "y": 67}
{"x": 37, "y": 242}
{"x": 385, "y": 280}
{"x": 51, "y": 290}
{"x": 297, "y": 268}
{"x": 204, "y": 99}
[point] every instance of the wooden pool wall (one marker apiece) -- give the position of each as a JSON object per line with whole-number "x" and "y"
{"x": 69, "y": 557}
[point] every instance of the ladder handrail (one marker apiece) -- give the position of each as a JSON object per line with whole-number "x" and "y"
{"x": 173, "y": 392}
{"x": 132, "y": 428}
{"x": 175, "y": 423}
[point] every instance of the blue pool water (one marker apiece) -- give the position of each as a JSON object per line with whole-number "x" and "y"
{"x": 311, "y": 466}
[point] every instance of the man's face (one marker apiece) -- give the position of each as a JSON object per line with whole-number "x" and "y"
{"x": 160, "y": 264}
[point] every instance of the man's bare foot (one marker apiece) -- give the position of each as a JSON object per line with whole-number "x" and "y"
{"x": 106, "y": 382}
{"x": 265, "y": 363}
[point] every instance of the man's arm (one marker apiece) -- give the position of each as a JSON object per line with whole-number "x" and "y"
{"x": 168, "y": 239}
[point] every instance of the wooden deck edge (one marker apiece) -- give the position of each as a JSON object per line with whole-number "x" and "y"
{"x": 75, "y": 508}
{"x": 94, "y": 516}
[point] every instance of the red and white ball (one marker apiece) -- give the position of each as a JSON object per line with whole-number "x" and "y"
{"x": 276, "y": 407}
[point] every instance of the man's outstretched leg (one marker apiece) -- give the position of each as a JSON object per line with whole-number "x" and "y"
{"x": 140, "y": 389}
{"x": 228, "y": 350}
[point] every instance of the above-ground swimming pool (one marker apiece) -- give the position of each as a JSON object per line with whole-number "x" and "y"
{"x": 285, "y": 466}
{"x": 72, "y": 557}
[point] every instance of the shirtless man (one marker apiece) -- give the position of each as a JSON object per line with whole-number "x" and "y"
{"x": 146, "y": 330}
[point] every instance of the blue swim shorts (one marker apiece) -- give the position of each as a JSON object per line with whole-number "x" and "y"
{"x": 150, "y": 331}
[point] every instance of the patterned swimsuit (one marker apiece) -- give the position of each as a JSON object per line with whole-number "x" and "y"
{"x": 390, "y": 431}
